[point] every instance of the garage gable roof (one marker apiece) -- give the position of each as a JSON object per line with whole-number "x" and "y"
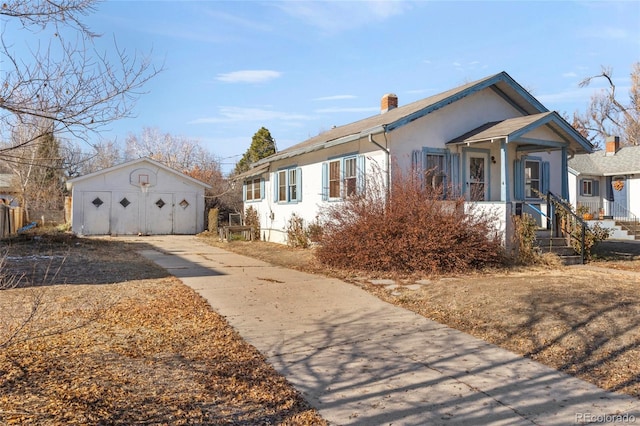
{"x": 142, "y": 160}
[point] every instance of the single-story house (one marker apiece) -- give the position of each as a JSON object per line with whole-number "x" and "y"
{"x": 141, "y": 196}
{"x": 490, "y": 138}
{"x": 607, "y": 183}
{"x": 8, "y": 192}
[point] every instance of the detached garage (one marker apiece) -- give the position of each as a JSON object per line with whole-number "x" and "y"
{"x": 137, "y": 197}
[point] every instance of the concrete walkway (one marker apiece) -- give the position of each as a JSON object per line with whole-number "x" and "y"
{"x": 359, "y": 360}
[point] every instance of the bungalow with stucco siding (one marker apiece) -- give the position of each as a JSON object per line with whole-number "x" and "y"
{"x": 490, "y": 138}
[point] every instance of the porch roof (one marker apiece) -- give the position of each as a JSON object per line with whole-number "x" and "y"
{"x": 513, "y": 130}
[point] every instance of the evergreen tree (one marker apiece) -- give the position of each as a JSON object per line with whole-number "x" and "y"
{"x": 262, "y": 145}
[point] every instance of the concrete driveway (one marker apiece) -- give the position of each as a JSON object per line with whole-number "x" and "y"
{"x": 360, "y": 360}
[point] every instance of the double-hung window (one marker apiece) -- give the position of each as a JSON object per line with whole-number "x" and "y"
{"x": 288, "y": 185}
{"x": 334, "y": 179}
{"x": 532, "y": 179}
{"x": 435, "y": 170}
{"x": 589, "y": 187}
{"x": 253, "y": 189}
{"x": 342, "y": 177}
{"x": 350, "y": 176}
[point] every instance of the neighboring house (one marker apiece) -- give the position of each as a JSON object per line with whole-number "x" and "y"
{"x": 607, "y": 183}
{"x": 8, "y": 192}
{"x": 490, "y": 138}
{"x": 137, "y": 197}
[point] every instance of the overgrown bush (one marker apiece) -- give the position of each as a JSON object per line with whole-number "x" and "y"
{"x": 251, "y": 218}
{"x": 526, "y": 251}
{"x": 594, "y": 235}
{"x": 412, "y": 229}
{"x": 314, "y": 231}
{"x": 297, "y": 234}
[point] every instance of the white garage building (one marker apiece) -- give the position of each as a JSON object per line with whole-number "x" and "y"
{"x": 142, "y": 196}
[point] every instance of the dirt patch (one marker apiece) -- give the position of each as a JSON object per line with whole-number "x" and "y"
{"x": 115, "y": 340}
{"x": 581, "y": 320}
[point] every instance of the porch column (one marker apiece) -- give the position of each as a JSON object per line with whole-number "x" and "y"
{"x": 565, "y": 174}
{"x": 505, "y": 196}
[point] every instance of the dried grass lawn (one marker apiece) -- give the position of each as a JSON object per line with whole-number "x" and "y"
{"x": 581, "y": 320}
{"x": 115, "y": 340}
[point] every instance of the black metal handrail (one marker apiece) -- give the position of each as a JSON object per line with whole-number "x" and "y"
{"x": 553, "y": 201}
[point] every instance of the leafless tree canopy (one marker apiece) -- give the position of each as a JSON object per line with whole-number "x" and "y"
{"x": 611, "y": 113}
{"x": 67, "y": 81}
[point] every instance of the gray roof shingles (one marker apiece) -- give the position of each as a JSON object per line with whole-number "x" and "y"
{"x": 625, "y": 161}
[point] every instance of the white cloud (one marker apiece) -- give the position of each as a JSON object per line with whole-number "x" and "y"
{"x": 336, "y": 16}
{"x": 239, "y": 114}
{"x": 570, "y": 74}
{"x": 248, "y": 76}
{"x": 341, "y": 110}
{"x": 335, "y": 98}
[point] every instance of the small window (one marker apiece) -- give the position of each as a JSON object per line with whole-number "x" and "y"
{"x": 334, "y": 179}
{"x": 435, "y": 173}
{"x": 253, "y": 189}
{"x": 287, "y": 185}
{"x": 587, "y": 187}
{"x": 350, "y": 176}
{"x": 531, "y": 179}
{"x": 293, "y": 186}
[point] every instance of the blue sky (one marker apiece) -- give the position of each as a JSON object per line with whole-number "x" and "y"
{"x": 298, "y": 68}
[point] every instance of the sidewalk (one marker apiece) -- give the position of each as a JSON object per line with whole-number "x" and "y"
{"x": 360, "y": 360}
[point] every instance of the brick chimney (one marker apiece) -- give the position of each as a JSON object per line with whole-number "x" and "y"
{"x": 612, "y": 145}
{"x": 389, "y": 102}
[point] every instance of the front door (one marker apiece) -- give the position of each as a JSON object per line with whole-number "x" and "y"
{"x": 477, "y": 176}
{"x": 619, "y": 190}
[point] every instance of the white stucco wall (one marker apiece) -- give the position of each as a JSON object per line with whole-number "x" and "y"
{"x": 634, "y": 195}
{"x": 274, "y": 216}
{"x": 173, "y": 203}
{"x": 431, "y": 131}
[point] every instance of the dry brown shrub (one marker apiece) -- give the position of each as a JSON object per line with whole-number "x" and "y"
{"x": 413, "y": 228}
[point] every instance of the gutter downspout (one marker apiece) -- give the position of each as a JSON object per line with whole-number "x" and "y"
{"x": 387, "y": 159}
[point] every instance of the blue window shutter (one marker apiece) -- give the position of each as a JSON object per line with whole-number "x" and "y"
{"x": 275, "y": 187}
{"x": 416, "y": 161}
{"x": 325, "y": 181}
{"x": 360, "y": 174}
{"x": 595, "y": 188}
{"x": 298, "y": 184}
{"x": 545, "y": 177}
{"x": 609, "y": 188}
{"x": 581, "y": 186}
{"x": 518, "y": 178}
{"x": 262, "y": 189}
{"x": 455, "y": 173}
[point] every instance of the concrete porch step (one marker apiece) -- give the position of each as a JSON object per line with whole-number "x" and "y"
{"x": 557, "y": 245}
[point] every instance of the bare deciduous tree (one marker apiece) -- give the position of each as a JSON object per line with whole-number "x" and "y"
{"x": 67, "y": 81}
{"x": 189, "y": 157}
{"x": 607, "y": 114}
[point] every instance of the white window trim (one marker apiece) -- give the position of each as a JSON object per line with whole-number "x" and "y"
{"x": 288, "y": 185}
{"x": 249, "y": 185}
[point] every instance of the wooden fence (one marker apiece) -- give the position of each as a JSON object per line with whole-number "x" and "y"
{"x": 11, "y": 219}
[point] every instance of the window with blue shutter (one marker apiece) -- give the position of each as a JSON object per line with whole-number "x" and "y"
{"x": 287, "y": 187}
{"x": 518, "y": 178}
{"x": 253, "y": 190}
{"x": 343, "y": 177}
{"x": 589, "y": 187}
